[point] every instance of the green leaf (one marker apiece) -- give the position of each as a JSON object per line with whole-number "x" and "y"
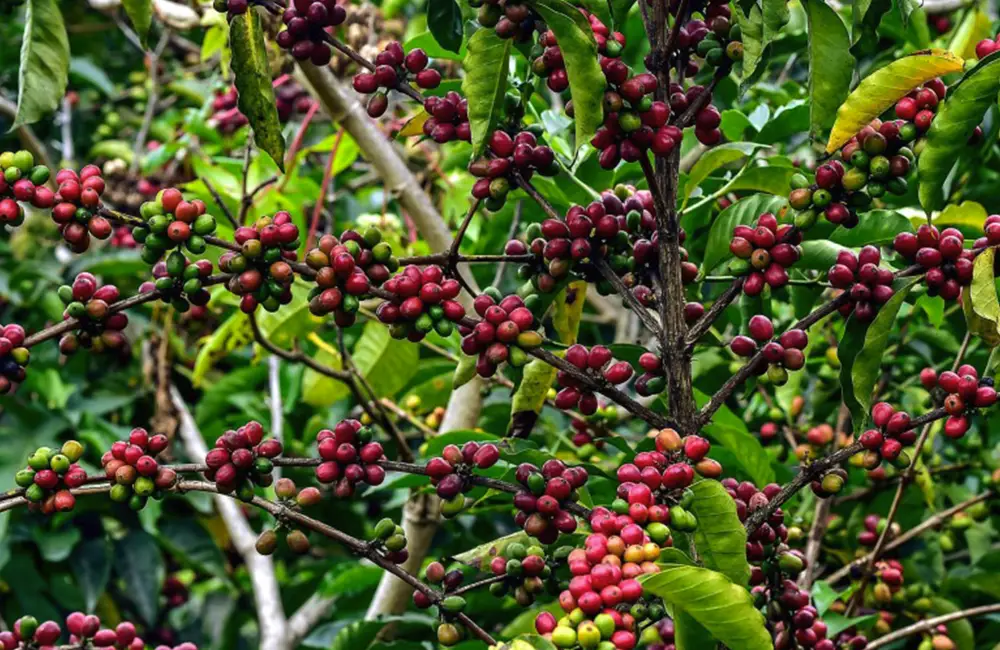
{"x": 92, "y": 569}
{"x": 868, "y": 364}
{"x": 44, "y": 70}
{"x": 140, "y": 12}
{"x": 983, "y": 314}
{"x": 760, "y": 28}
{"x": 881, "y": 89}
{"x": 474, "y": 557}
{"x": 620, "y": 9}
{"x": 744, "y": 211}
{"x": 579, "y": 49}
{"x": 252, "y": 72}
{"x": 485, "y": 83}
{"x": 689, "y": 634}
{"x": 429, "y": 44}
{"x": 974, "y": 27}
{"x": 720, "y": 538}
{"x": 728, "y": 430}
{"x": 818, "y": 255}
{"x": 56, "y": 545}
{"x": 847, "y": 352}
{"x": 715, "y": 158}
{"x": 876, "y": 228}
{"x": 387, "y": 364}
{"x": 960, "y": 631}
{"x": 957, "y": 117}
{"x": 725, "y": 609}
{"x": 140, "y": 566}
{"x": 86, "y": 70}
{"x": 464, "y": 371}
{"x": 867, "y": 15}
{"x": 444, "y": 19}
{"x": 234, "y": 333}
{"x": 768, "y": 179}
{"x": 831, "y": 66}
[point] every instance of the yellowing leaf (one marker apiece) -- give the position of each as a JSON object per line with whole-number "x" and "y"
{"x": 883, "y": 88}
{"x": 415, "y": 126}
{"x": 982, "y": 309}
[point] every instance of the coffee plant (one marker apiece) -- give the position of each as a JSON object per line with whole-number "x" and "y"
{"x": 508, "y": 324}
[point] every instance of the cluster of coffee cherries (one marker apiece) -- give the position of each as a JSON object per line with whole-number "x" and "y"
{"x": 943, "y": 254}
{"x": 888, "y": 581}
{"x": 172, "y": 222}
{"x": 873, "y": 527}
{"x": 49, "y": 476}
{"x": 422, "y": 300}
{"x": 777, "y": 357}
{"x": 390, "y": 538}
{"x": 919, "y": 107}
{"x": 551, "y": 65}
{"x": 773, "y": 569}
{"x": 180, "y": 281}
{"x": 867, "y": 286}
{"x": 597, "y": 362}
{"x": 508, "y": 18}
{"x": 174, "y": 592}
{"x": 589, "y": 434}
{"x": 306, "y": 23}
{"x": 77, "y": 205}
{"x": 242, "y": 459}
{"x": 603, "y": 602}
{"x": 504, "y": 333}
{"x": 291, "y": 497}
{"x": 133, "y": 468}
{"x": 449, "y": 118}
{"x": 13, "y": 356}
{"x": 511, "y": 156}
{"x": 829, "y": 484}
{"x": 715, "y": 39}
{"x": 448, "y": 633}
{"x": 85, "y": 631}
{"x": 231, "y": 8}
{"x": 633, "y": 122}
{"x": 964, "y": 392}
{"x": 346, "y": 268}
{"x": 393, "y": 68}
{"x": 524, "y": 570}
{"x": 261, "y": 272}
{"x": 542, "y": 503}
{"x": 21, "y": 181}
{"x": 891, "y": 434}
{"x": 97, "y": 327}
{"x": 349, "y": 456}
{"x": 227, "y": 117}
{"x": 763, "y": 253}
{"x": 665, "y": 633}
{"x": 122, "y": 237}
{"x": 450, "y": 472}
{"x": 651, "y": 381}
{"x": 653, "y": 487}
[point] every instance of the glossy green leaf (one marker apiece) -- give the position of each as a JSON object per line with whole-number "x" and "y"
{"x": 444, "y": 19}
{"x": 140, "y": 12}
{"x": 831, "y": 66}
{"x": 876, "y": 228}
{"x": 579, "y": 49}
{"x": 386, "y": 363}
{"x": 728, "y": 430}
{"x": 867, "y": 14}
{"x": 881, "y": 89}
{"x": 975, "y": 26}
{"x": 960, "y": 631}
{"x": 744, "y": 211}
{"x": 983, "y": 310}
{"x": 714, "y": 159}
{"x": 957, "y": 117}
{"x": 689, "y": 634}
{"x": 723, "y": 608}
{"x": 720, "y": 538}
{"x": 92, "y": 569}
{"x": 464, "y": 371}
{"x": 768, "y": 179}
{"x": 760, "y": 27}
{"x": 139, "y": 564}
{"x": 620, "y": 9}
{"x": 485, "y": 83}
{"x": 868, "y": 365}
{"x": 818, "y": 255}
{"x": 44, "y": 70}
{"x": 252, "y": 71}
